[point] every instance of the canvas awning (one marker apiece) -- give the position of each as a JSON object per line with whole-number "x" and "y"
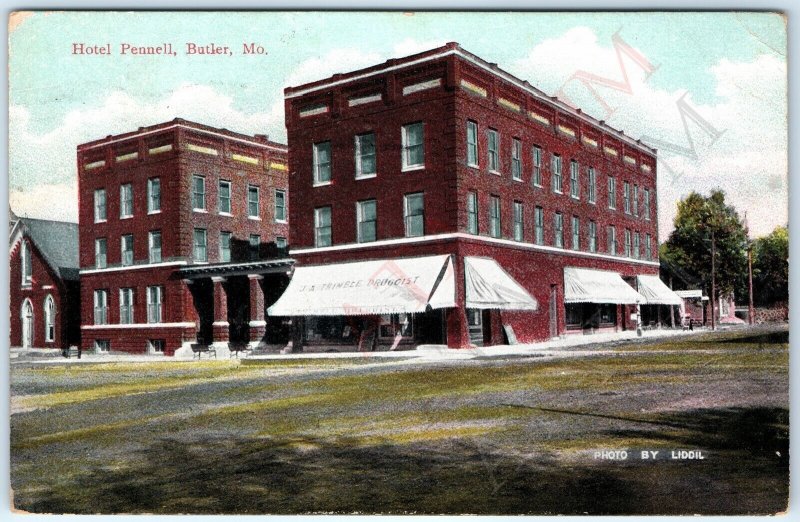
{"x": 689, "y": 294}
{"x": 385, "y": 286}
{"x": 656, "y": 292}
{"x": 488, "y": 286}
{"x": 584, "y": 285}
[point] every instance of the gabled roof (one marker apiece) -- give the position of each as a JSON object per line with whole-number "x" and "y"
{"x": 57, "y": 241}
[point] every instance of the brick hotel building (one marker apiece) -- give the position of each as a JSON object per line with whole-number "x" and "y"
{"x": 439, "y": 199}
{"x": 183, "y": 230}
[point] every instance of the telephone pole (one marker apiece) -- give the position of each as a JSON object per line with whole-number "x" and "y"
{"x": 751, "y": 311}
{"x": 713, "y": 280}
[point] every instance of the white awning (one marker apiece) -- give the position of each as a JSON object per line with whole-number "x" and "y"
{"x": 689, "y": 294}
{"x": 584, "y": 285}
{"x": 385, "y": 286}
{"x": 487, "y": 285}
{"x": 656, "y": 292}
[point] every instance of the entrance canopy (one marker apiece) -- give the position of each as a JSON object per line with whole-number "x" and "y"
{"x": 584, "y": 285}
{"x": 487, "y": 285}
{"x": 385, "y": 286}
{"x": 656, "y": 292}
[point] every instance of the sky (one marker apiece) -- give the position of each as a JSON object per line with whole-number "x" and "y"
{"x": 709, "y": 90}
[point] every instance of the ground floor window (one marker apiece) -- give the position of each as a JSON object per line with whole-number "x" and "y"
{"x": 590, "y": 315}
{"x": 394, "y": 324}
{"x": 102, "y": 345}
{"x": 155, "y": 346}
{"x": 338, "y": 329}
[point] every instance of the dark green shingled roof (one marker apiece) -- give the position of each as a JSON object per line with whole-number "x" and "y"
{"x": 58, "y": 243}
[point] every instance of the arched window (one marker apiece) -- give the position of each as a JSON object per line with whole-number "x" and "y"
{"x": 27, "y": 323}
{"x": 25, "y": 259}
{"x": 49, "y": 319}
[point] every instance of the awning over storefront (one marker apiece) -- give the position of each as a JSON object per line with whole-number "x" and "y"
{"x": 689, "y": 294}
{"x": 584, "y": 285}
{"x": 386, "y": 286}
{"x": 487, "y": 285}
{"x": 656, "y": 292}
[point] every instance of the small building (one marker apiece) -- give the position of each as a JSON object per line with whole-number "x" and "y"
{"x": 44, "y": 287}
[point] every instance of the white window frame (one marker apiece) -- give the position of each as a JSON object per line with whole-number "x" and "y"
{"x": 360, "y": 205}
{"x": 254, "y": 246}
{"x": 124, "y": 294}
{"x": 556, "y": 166}
{"x": 318, "y": 166}
{"x": 281, "y": 243}
{"x": 576, "y": 233}
{"x": 97, "y": 242}
{"x": 126, "y": 200}
{"x": 101, "y": 306}
{"x": 591, "y": 197}
{"x": 155, "y": 304}
{"x": 472, "y": 144}
{"x": 519, "y": 223}
{"x": 493, "y": 151}
{"x": 612, "y": 193}
{"x": 360, "y": 156}
{"x": 592, "y": 236}
{"x": 26, "y": 261}
{"x": 407, "y": 212}
{"x": 49, "y": 319}
{"x": 123, "y": 242}
{"x": 558, "y": 230}
{"x": 198, "y": 195}
{"x": 626, "y": 197}
{"x": 538, "y": 225}
{"x": 151, "y": 249}
{"x": 280, "y": 209}
{"x": 407, "y": 147}
{"x": 472, "y": 212}
{"x": 100, "y": 194}
{"x": 495, "y": 217}
{"x": 648, "y": 247}
{"x": 516, "y": 159}
{"x": 318, "y": 227}
{"x": 154, "y": 195}
{"x": 196, "y": 246}
{"x": 628, "y": 241}
{"x": 636, "y": 200}
{"x": 228, "y": 198}
{"x": 611, "y": 240}
{"x": 250, "y": 214}
{"x": 646, "y": 202}
{"x": 222, "y": 250}
{"x": 536, "y": 159}
{"x": 574, "y": 179}
{"x": 637, "y": 243}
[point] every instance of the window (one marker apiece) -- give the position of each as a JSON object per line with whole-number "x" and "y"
{"x": 154, "y": 304}
{"x": 574, "y": 182}
{"x": 322, "y": 226}
{"x": 99, "y": 205}
{"x": 518, "y": 227}
{"x": 224, "y": 197}
{"x": 472, "y": 212}
{"x": 101, "y": 307}
{"x": 612, "y": 193}
{"x": 494, "y": 216}
{"x": 612, "y": 240}
{"x": 367, "y": 215}
{"x": 102, "y": 345}
{"x": 413, "y": 146}
{"x": 516, "y": 159}
{"x": 646, "y": 204}
{"x": 100, "y": 249}
{"x": 636, "y": 245}
{"x": 155, "y": 345}
{"x": 636, "y": 200}
{"x": 27, "y": 267}
{"x": 627, "y": 243}
{"x": 254, "y": 246}
{"x": 537, "y": 166}
{"x": 415, "y": 214}
{"x": 49, "y": 319}
{"x": 252, "y": 201}
{"x": 592, "y": 236}
{"x": 557, "y": 183}
{"x": 558, "y": 230}
{"x": 224, "y": 247}
{"x": 472, "y": 144}
{"x": 592, "y": 196}
{"x": 125, "y": 200}
{"x": 200, "y": 244}
{"x": 626, "y": 194}
{"x": 153, "y": 195}
{"x": 576, "y": 233}
{"x": 126, "y": 249}
{"x": 365, "y": 155}
{"x": 154, "y": 246}
{"x": 538, "y": 224}
{"x": 322, "y": 163}
{"x": 493, "y": 139}
{"x": 126, "y": 306}
{"x": 198, "y": 193}
{"x": 648, "y": 248}
{"x": 280, "y": 243}
{"x": 280, "y": 206}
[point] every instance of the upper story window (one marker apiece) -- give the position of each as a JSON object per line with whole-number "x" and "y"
{"x": 558, "y": 230}
{"x": 537, "y": 166}
{"x": 612, "y": 193}
{"x": 627, "y": 243}
{"x": 99, "y": 205}
{"x": 322, "y": 226}
{"x": 648, "y": 247}
{"x": 636, "y": 200}
{"x": 125, "y": 200}
{"x": 519, "y": 231}
{"x": 322, "y": 163}
{"x": 365, "y": 155}
{"x": 592, "y": 236}
{"x": 27, "y": 267}
{"x": 557, "y": 183}
{"x": 646, "y": 204}
{"x": 494, "y": 216}
{"x": 516, "y": 159}
{"x": 472, "y": 212}
{"x": 224, "y": 197}
{"x": 125, "y": 305}
{"x": 636, "y": 245}
{"x": 101, "y": 307}
{"x": 612, "y": 240}
{"x": 254, "y": 244}
{"x": 576, "y": 233}
{"x": 155, "y": 297}
{"x": 538, "y": 224}
{"x": 413, "y": 137}
{"x": 280, "y": 206}
{"x": 200, "y": 244}
{"x": 49, "y": 319}
{"x": 280, "y": 243}
{"x": 472, "y": 144}
{"x": 198, "y": 193}
{"x": 100, "y": 251}
{"x": 574, "y": 181}
{"x": 592, "y": 187}
{"x": 225, "y": 247}
{"x": 493, "y": 148}
{"x": 126, "y": 249}
{"x": 153, "y": 195}
{"x": 367, "y": 216}
{"x": 414, "y": 213}
{"x": 252, "y": 201}
{"x": 154, "y": 246}
{"x": 626, "y": 195}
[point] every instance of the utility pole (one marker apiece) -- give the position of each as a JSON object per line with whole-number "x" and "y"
{"x": 713, "y": 280}
{"x": 751, "y": 311}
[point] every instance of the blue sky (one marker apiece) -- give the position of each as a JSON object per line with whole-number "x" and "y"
{"x": 730, "y": 68}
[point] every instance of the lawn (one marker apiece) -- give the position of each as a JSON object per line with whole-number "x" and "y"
{"x": 502, "y": 436}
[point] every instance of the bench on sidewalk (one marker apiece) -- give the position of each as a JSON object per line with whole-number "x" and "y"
{"x": 236, "y": 348}
{"x": 71, "y": 351}
{"x": 199, "y": 349}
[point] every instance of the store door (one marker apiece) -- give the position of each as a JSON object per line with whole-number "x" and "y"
{"x": 553, "y": 311}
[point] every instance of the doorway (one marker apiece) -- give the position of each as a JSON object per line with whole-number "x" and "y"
{"x": 553, "y": 311}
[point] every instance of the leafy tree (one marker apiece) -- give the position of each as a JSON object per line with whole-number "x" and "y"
{"x": 699, "y": 219}
{"x": 771, "y": 267}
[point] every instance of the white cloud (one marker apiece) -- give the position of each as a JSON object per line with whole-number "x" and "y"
{"x": 58, "y": 201}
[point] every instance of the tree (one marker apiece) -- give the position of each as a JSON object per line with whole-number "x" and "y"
{"x": 771, "y": 267}
{"x": 700, "y": 222}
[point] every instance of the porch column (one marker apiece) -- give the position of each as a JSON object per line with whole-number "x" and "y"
{"x": 258, "y": 325}
{"x": 190, "y": 314}
{"x": 220, "y": 327}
